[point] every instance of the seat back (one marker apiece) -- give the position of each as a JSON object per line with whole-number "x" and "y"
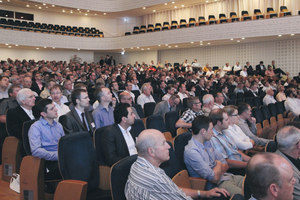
{"x": 231, "y": 102}
{"x": 149, "y": 108}
{"x": 245, "y": 13}
{"x": 118, "y": 176}
{"x": 32, "y": 184}
{"x": 180, "y": 142}
{"x": 280, "y": 106}
{"x": 158, "y": 25}
{"x": 71, "y": 189}
{"x": 270, "y": 10}
{"x": 172, "y": 166}
{"x": 166, "y": 24}
{"x": 222, "y": 16}
{"x": 257, "y": 12}
{"x": 211, "y": 17}
{"x": 232, "y": 96}
{"x": 246, "y": 190}
{"x": 265, "y": 111}
{"x": 181, "y": 179}
{"x": 271, "y": 147}
{"x": 11, "y": 157}
{"x": 77, "y": 159}
{"x": 156, "y": 122}
{"x": 150, "y": 26}
{"x": 98, "y": 145}
{"x": 257, "y": 114}
{"x": 184, "y": 102}
{"x": 182, "y": 21}
{"x": 170, "y": 120}
{"x": 257, "y": 101}
{"x": 233, "y": 14}
{"x": 273, "y": 109}
{"x": 138, "y": 127}
{"x": 26, "y": 144}
{"x": 249, "y": 100}
{"x": 174, "y": 22}
{"x": 139, "y": 110}
{"x": 240, "y": 95}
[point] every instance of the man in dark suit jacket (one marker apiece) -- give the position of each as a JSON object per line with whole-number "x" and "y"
{"x": 166, "y": 106}
{"x": 253, "y": 90}
{"x": 17, "y": 116}
{"x": 161, "y": 88}
{"x": 261, "y": 69}
{"x": 78, "y": 119}
{"x": 118, "y": 140}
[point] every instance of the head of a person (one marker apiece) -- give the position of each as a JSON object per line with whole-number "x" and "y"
{"x": 128, "y": 86}
{"x": 240, "y": 85}
{"x": 288, "y": 141}
{"x": 170, "y": 89}
{"x": 13, "y": 90}
{"x": 270, "y": 176}
{"x": 71, "y": 78}
{"x": 103, "y": 95}
{"x": 26, "y": 82}
{"x": 280, "y": 88}
{"x": 220, "y": 118}
{"x": 162, "y": 84}
{"x": 26, "y": 98}
{"x": 291, "y": 92}
{"x": 114, "y": 86}
{"x": 49, "y": 83}
{"x": 232, "y": 112}
{"x": 47, "y": 109}
{"x": 146, "y": 89}
{"x": 208, "y": 99}
{"x": 15, "y": 79}
{"x": 93, "y": 76}
{"x": 270, "y": 91}
{"x": 68, "y": 85}
{"x": 182, "y": 88}
{"x": 56, "y": 93}
{"x": 151, "y": 144}
{"x": 125, "y": 97}
{"x": 203, "y": 126}
{"x": 4, "y": 81}
{"x": 219, "y": 98}
{"x": 224, "y": 89}
{"x": 123, "y": 114}
{"x": 194, "y": 104}
{"x": 174, "y": 100}
{"x": 244, "y": 110}
{"x": 79, "y": 97}
{"x": 253, "y": 86}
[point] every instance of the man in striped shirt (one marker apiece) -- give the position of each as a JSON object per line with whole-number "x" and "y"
{"x": 147, "y": 181}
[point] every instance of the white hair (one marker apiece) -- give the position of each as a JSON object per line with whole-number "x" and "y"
{"x": 21, "y": 96}
{"x": 207, "y": 98}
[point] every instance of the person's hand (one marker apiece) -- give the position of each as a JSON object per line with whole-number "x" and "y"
{"x": 216, "y": 192}
{"x": 252, "y": 120}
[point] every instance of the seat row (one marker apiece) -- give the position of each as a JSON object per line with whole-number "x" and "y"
{"x": 211, "y": 20}
{"x": 49, "y": 28}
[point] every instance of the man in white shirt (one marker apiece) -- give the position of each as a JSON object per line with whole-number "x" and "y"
{"x": 244, "y": 73}
{"x": 269, "y": 98}
{"x": 170, "y": 91}
{"x": 56, "y": 96}
{"x": 128, "y": 89}
{"x": 291, "y": 103}
{"x": 182, "y": 91}
{"x": 195, "y": 63}
{"x": 146, "y": 96}
{"x": 134, "y": 82}
{"x": 237, "y": 68}
{"x": 281, "y": 95}
{"x": 118, "y": 140}
{"x": 219, "y": 99}
{"x": 227, "y": 69}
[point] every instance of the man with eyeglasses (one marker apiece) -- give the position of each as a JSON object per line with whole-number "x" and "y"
{"x": 223, "y": 143}
{"x": 188, "y": 116}
{"x": 59, "y": 100}
{"x": 166, "y": 106}
{"x": 126, "y": 98}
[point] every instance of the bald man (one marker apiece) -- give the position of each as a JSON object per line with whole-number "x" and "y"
{"x": 147, "y": 181}
{"x": 270, "y": 176}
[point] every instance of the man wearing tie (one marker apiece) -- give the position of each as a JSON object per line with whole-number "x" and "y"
{"x": 261, "y": 69}
{"x": 78, "y": 119}
{"x": 253, "y": 90}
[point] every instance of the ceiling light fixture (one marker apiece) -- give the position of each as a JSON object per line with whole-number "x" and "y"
{"x": 53, "y": 5}
{"x": 9, "y": 46}
{"x": 104, "y": 13}
{"x": 144, "y": 8}
{"x": 175, "y": 6}
{"x": 208, "y": 43}
{"x": 40, "y": 7}
{"x": 88, "y": 11}
{"x": 176, "y": 46}
{"x": 27, "y": 6}
{"x": 182, "y": 5}
{"x": 154, "y": 10}
{"x": 78, "y": 9}
{"x": 231, "y": 39}
{"x": 292, "y": 34}
{"x": 279, "y": 35}
{"x": 44, "y": 4}
{"x": 173, "y": 1}
{"x": 166, "y": 4}
{"x": 16, "y": 45}
{"x": 37, "y": 48}
{"x": 238, "y": 41}
{"x": 243, "y": 38}
{"x": 192, "y": 42}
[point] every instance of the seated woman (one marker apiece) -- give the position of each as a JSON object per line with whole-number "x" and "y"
{"x": 270, "y": 72}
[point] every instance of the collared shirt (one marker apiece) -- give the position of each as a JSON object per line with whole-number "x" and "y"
{"x": 251, "y": 132}
{"x": 103, "y": 117}
{"x": 62, "y": 109}
{"x": 237, "y": 68}
{"x": 241, "y": 140}
{"x": 296, "y": 162}
{"x": 182, "y": 96}
{"x": 43, "y": 139}
{"x": 200, "y": 159}
{"x": 189, "y": 115}
{"x": 237, "y": 90}
{"x": 146, "y": 181}
{"x": 4, "y": 94}
{"x": 135, "y": 87}
{"x": 142, "y": 99}
{"x": 206, "y": 111}
{"x": 221, "y": 106}
{"x": 292, "y": 105}
{"x": 129, "y": 140}
{"x": 225, "y": 145}
{"x": 268, "y": 99}
{"x": 166, "y": 97}
{"x": 244, "y": 73}
{"x": 79, "y": 114}
{"x": 7, "y": 104}
{"x": 28, "y": 112}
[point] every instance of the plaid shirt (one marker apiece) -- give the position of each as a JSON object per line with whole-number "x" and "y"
{"x": 225, "y": 145}
{"x": 189, "y": 115}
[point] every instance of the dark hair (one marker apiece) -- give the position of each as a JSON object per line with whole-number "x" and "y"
{"x": 223, "y": 87}
{"x": 217, "y": 115}
{"x": 112, "y": 83}
{"x": 11, "y": 88}
{"x": 41, "y": 105}
{"x": 168, "y": 87}
{"x": 68, "y": 77}
{"x": 120, "y": 111}
{"x": 243, "y": 107}
{"x": 289, "y": 92}
{"x": 79, "y": 86}
{"x": 56, "y": 86}
{"x": 76, "y": 94}
{"x": 200, "y": 122}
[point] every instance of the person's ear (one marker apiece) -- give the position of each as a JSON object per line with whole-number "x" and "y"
{"x": 273, "y": 189}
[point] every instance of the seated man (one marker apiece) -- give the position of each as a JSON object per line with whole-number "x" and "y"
{"x": 188, "y": 116}
{"x": 208, "y": 104}
{"x": 288, "y": 148}
{"x": 223, "y": 143}
{"x": 182, "y": 91}
{"x": 118, "y": 140}
{"x": 281, "y": 95}
{"x": 270, "y": 176}
{"x": 103, "y": 114}
{"x": 57, "y": 97}
{"x": 46, "y": 92}
{"x": 219, "y": 99}
{"x": 44, "y": 135}
{"x": 146, "y": 96}
{"x": 170, "y": 91}
{"x": 291, "y": 103}
{"x": 269, "y": 98}
{"x": 166, "y": 106}
{"x": 11, "y": 102}
{"x": 147, "y": 181}
{"x": 203, "y": 161}
{"x": 125, "y": 97}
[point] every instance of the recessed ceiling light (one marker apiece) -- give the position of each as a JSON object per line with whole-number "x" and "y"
{"x": 104, "y": 13}
{"x": 53, "y": 47}
{"x": 95, "y": 13}
{"x": 45, "y": 47}
{"x": 182, "y": 5}
{"x": 35, "y": 5}
{"x": 0, "y": 1}
{"x": 8, "y": 0}
{"x": 243, "y": 38}
{"x": 131, "y": 48}
{"x": 9, "y": 46}
{"x": 137, "y": 47}
{"x": 238, "y": 41}
{"x": 279, "y": 35}
{"x": 6, "y": 44}
{"x": 88, "y": 11}
{"x": 37, "y": 48}
{"x": 78, "y": 49}
{"x": 292, "y": 34}
{"x": 192, "y": 42}
{"x": 122, "y": 53}
{"x": 173, "y": 1}
{"x": 142, "y": 49}
{"x": 53, "y": 5}
{"x": 159, "y": 45}
{"x": 63, "y": 11}
{"x": 148, "y": 48}
{"x": 175, "y": 6}
{"x": 169, "y": 46}
{"x": 85, "y": 14}
{"x": 166, "y": 44}
{"x": 144, "y": 8}
{"x": 200, "y": 41}
{"x": 208, "y": 43}
{"x": 40, "y": 7}
{"x": 201, "y": 44}
{"x": 78, "y": 9}
{"x": 71, "y": 11}
{"x": 166, "y": 4}
{"x": 16, "y": 45}
{"x": 231, "y": 39}
{"x": 176, "y": 46}
{"x": 154, "y": 10}
{"x": 27, "y": 6}
{"x": 207, "y": 1}
{"x": 44, "y": 4}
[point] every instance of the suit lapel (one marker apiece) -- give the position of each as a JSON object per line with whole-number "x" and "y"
{"x": 77, "y": 118}
{"x": 121, "y": 136}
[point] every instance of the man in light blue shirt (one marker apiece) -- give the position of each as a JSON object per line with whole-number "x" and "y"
{"x": 44, "y": 135}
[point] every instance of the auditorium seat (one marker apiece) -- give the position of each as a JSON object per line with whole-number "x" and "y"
{"x": 136, "y": 28}
{"x": 142, "y": 31}
{"x": 257, "y": 14}
{"x": 156, "y": 122}
{"x": 143, "y": 27}
{"x": 222, "y": 18}
{"x": 284, "y": 12}
{"x": 182, "y": 23}
{"x": 271, "y": 13}
{"x": 150, "y": 26}
{"x": 233, "y": 17}
{"x": 170, "y": 119}
{"x": 192, "y": 22}
{"x": 174, "y": 24}
{"x": 158, "y": 25}
{"x": 211, "y": 19}
{"x": 149, "y": 108}
{"x": 127, "y": 33}
{"x": 245, "y": 16}
{"x": 201, "y": 21}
